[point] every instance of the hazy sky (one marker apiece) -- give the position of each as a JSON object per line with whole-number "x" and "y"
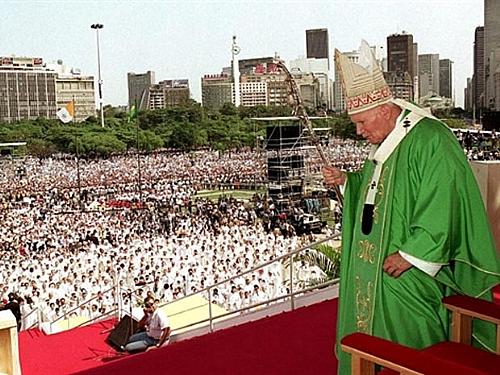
{"x": 187, "y": 39}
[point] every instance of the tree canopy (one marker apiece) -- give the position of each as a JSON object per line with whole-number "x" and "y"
{"x": 184, "y": 128}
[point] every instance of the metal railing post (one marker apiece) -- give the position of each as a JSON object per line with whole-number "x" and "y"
{"x": 210, "y": 310}
{"x": 292, "y": 298}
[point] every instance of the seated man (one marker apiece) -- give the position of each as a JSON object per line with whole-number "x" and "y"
{"x": 157, "y": 329}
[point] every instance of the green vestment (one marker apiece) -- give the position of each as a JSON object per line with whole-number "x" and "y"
{"x": 427, "y": 205}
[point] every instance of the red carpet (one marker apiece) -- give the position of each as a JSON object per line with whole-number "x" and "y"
{"x": 65, "y": 352}
{"x": 297, "y": 342}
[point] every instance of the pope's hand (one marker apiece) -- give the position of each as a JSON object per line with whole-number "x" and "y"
{"x": 395, "y": 265}
{"x": 333, "y": 176}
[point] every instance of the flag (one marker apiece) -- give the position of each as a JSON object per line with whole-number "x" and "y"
{"x": 132, "y": 114}
{"x": 67, "y": 113}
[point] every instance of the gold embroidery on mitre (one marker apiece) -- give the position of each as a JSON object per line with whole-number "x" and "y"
{"x": 368, "y": 98}
{"x": 363, "y": 305}
{"x": 366, "y": 251}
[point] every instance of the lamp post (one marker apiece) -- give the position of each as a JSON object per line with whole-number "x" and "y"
{"x": 97, "y": 27}
{"x": 235, "y": 50}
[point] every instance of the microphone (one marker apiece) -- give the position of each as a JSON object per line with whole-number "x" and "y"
{"x": 367, "y": 219}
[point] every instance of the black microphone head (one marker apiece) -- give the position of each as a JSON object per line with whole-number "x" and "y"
{"x": 367, "y": 219}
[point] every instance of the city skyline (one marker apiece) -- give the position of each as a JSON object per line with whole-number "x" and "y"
{"x": 192, "y": 38}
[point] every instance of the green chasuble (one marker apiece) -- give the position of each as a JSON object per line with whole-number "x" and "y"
{"x": 427, "y": 205}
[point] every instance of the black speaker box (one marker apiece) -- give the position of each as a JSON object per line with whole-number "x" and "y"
{"x": 491, "y": 120}
{"x": 121, "y": 333}
{"x": 283, "y": 137}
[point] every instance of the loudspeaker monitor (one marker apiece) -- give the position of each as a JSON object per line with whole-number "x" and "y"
{"x": 122, "y": 332}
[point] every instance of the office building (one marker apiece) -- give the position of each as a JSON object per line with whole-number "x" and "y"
{"x": 72, "y": 86}
{"x": 317, "y": 45}
{"x": 263, "y": 84}
{"x": 253, "y": 92}
{"x": 138, "y": 88}
{"x": 249, "y": 66}
{"x": 319, "y": 68}
{"x": 428, "y": 77}
{"x": 400, "y": 84}
{"x": 415, "y": 59}
{"x": 27, "y": 89}
{"x": 492, "y": 54}
{"x": 478, "y": 76}
{"x": 216, "y": 90}
{"x": 445, "y": 78}
{"x": 468, "y": 97}
{"x": 400, "y": 54}
{"x": 168, "y": 93}
{"x": 309, "y": 87}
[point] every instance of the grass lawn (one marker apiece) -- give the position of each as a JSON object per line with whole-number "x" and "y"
{"x": 238, "y": 194}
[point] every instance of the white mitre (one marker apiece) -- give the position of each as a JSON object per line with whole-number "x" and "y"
{"x": 362, "y": 81}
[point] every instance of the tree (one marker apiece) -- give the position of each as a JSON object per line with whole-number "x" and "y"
{"x": 343, "y": 127}
{"x": 327, "y": 258}
{"x": 100, "y": 144}
{"x": 41, "y": 148}
{"x": 455, "y": 123}
{"x": 229, "y": 109}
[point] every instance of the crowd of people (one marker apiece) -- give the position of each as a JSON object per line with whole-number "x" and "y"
{"x": 73, "y": 230}
{"x": 479, "y": 145}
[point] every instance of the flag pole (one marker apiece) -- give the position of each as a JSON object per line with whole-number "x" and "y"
{"x": 74, "y": 109}
{"x": 138, "y": 155}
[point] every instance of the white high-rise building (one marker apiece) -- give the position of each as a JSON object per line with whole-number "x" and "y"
{"x": 428, "y": 74}
{"x": 72, "y": 86}
{"x": 27, "y": 89}
{"x": 318, "y": 67}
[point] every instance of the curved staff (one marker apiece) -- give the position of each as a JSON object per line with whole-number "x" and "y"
{"x": 301, "y": 113}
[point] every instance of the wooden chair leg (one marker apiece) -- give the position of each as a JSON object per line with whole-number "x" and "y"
{"x": 361, "y": 366}
{"x": 498, "y": 339}
{"x": 461, "y": 331}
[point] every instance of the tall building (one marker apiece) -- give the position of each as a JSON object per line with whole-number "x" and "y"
{"x": 492, "y": 53}
{"x": 249, "y": 66}
{"x": 263, "y": 84}
{"x": 415, "y": 68}
{"x": 478, "y": 76}
{"x": 27, "y": 89}
{"x": 168, "y": 93}
{"x": 319, "y": 68}
{"x": 216, "y": 90}
{"x": 401, "y": 84}
{"x": 428, "y": 77}
{"x": 138, "y": 88}
{"x": 468, "y": 97}
{"x": 415, "y": 59}
{"x": 309, "y": 87}
{"x": 400, "y": 55}
{"x": 253, "y": 92}
{"x": 317, "y": 45}
{"x": 72, "y": 86}
{"x": 445, "y": 78}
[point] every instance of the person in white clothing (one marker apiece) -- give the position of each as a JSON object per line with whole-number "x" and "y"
{"x": 157, "y": 327}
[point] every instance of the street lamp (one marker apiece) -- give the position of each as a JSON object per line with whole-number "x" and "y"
{"x": 97, "y": 27}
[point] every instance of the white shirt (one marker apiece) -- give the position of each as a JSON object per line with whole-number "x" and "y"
{"x": 157, "y": 322}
